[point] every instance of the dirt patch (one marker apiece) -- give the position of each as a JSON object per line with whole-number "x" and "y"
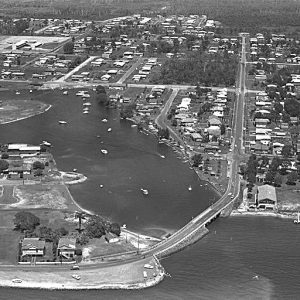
{"x": 41, "y": 196}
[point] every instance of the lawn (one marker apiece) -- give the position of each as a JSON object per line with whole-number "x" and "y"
{"x": 8, "y": 238}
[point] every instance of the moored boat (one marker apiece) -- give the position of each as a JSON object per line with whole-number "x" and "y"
{"x": 144, "y": 191}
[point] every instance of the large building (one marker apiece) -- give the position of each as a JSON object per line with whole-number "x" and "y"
{"x": 266, "y": 197}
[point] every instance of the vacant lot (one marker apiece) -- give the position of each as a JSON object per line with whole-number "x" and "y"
{"x": 42, "y": 196}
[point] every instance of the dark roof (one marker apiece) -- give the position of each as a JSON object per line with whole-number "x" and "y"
{"x": 32, "y": 243}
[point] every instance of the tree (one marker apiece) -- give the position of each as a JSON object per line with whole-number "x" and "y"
{"x": 95, "y": 227}
{"x": 4, "y": 156}
{"x": 223, "y": 129}
{"x": 163, "y": 133}
{"x": 115, "y": 229}
{"x": 278, "y": 180}
{"x": 68, "y": 48}
{"x": 127, "y": 112}
{"x": 38, "y": 165}
{"x": 3, "y": 165}
{"x": 287, "y": 150}
{"x": 270, "y": 177}
{"x": 79, "y": 215}
{"x": 197, "y": 159}
{"x": 26, "y": 221}
{"x": 292, "y": 178}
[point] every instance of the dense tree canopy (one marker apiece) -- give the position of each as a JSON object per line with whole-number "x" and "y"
{"x": 26, "y": 221}
{"x": 200, "y": 68}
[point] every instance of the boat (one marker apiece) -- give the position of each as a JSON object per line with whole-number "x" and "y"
{"x": 123, "y": 226}
{"x": 17, "y": 93}
{"x": 85, "y": 111}
{"x": 297, "y": 221}
{"x": 75, "y": 276}
{"x": 144, "y": 191}
{"x": 16, "y": 280}
{"x": 30, "y": 91}
{"x": 133, "y": 125}
{"x": 104, "y": 151}
{"x": 46, "y": 143}
{"x": 162, "y": 156}
{"x": 148, "y": 266}
{"x": 86, "y": 104}
{"x": 85, "y": 95}
{"x": 101, "y": 185}
{"x": 190, "y": 188}
{"x": 104, "y": 120}
{"x": 62, "y": 122}
{"x": 109, "y": 129}
{"x": 65, "y": 93}
{"x": 74, "y": 170}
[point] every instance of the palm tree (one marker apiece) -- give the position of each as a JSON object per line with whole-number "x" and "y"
{"x": 79, "y": 215}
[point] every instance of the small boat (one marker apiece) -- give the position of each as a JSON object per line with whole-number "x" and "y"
{"x": 148, "y": 266}
{"x": 133, "y": 125}
{"x": 190, "y": 188}
{"x": 74, "y": 170}
{"x": 17, "y": 93}
{"x": 85, "y": 111}
{"x": 162, "y": 156}
{"x": 75, "y": 276}
{"x": 30, "y": 91}
{"x": 65, "y": 93}
{"x": 104, "y": 151}
{"x": 101, "y": 185}
{"x": 109, "y": 129}
{"x": 85, "y": 95}
{"x": 144, "y": 191}
{"x": 104, "y": 120}
{"x": 255, "y": 277}
{"x": 124, "y": 226}
{"x": 62, "y": 122}
{"x": 46, "y": 143}
{"x": 297, "y": 221}
{"x": 16, "y": 280}
{"x": 87, "y": 104}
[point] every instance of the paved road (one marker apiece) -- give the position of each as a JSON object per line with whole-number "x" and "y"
{"x": 130, "y": 70}
{"x": 234, "y": 178}
{"x": 65, "y": 77}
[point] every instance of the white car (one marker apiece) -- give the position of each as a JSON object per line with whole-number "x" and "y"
{"x": 75, "y": 276}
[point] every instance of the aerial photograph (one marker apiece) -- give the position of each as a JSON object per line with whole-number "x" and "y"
{"x": 150, "y": 149}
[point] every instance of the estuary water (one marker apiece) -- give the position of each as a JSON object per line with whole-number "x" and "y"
{"x": 241, "y": 257}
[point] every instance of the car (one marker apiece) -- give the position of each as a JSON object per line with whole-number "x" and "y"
{"x": 75, "y": 267}
{"x": 75, "y": 276}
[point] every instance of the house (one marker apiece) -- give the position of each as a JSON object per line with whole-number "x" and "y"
{"x": 33, "y": 247}
{"x": 214, "y": 121}
{"x": 196, "y": 137}
{"x": 111, "y": 238}
{"x": 66, "y": 247}
{"x": 266, "y": 197}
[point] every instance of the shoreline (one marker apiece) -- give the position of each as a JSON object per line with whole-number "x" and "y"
{"x": 281, "y": 215}
{"x": 29, "y": 116}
